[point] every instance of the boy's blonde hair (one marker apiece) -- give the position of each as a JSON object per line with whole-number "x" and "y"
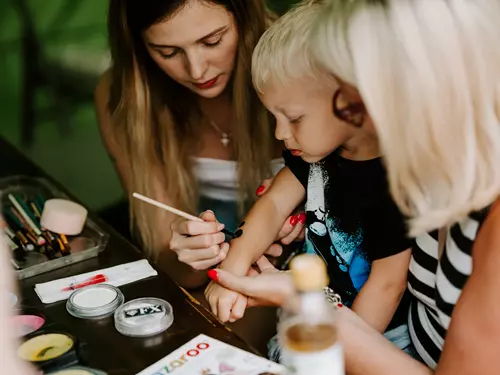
{"x": 429, "y": 75}
{"x": 284, "y": 50}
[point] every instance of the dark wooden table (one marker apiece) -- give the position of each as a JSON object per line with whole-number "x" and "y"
{"x": 104, "y": 347}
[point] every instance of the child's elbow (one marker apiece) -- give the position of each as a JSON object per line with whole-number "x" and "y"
{"x": 393, "y": 287}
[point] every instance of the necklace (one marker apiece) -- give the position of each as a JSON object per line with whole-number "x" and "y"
{"x": 224, "y": 137}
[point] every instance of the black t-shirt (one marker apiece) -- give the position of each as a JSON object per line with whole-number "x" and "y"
{"x": 351, "y": 220}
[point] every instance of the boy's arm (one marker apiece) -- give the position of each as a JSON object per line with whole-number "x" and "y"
{"x": 263, "y": 222}
{"x": 379, "y": 298}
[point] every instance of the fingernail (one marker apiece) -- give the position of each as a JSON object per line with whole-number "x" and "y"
{"x": 220, "y": 226}
{"x": 209, "y": 211}
{"x": 212, "y": 275}
{"x": 293, "y": 220}
{"x": 302, "y": 218}
{"x": 339, "y": 305}
{"x": 260, "y": 190}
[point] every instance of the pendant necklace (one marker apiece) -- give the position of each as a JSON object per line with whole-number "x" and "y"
{"x": 224, "y": 137}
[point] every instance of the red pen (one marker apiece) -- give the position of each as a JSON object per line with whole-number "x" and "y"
{"x": 97, "y": 279}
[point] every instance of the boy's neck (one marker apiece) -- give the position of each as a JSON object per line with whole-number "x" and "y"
{"x": 361, "y": 146}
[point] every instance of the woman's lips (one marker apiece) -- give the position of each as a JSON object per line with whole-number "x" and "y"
{"x": 207, "y": 84}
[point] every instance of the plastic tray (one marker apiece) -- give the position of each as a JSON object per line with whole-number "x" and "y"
{"x": 86, "y": 245}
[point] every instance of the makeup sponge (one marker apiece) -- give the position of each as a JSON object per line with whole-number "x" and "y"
{"x": 63, "y": 216}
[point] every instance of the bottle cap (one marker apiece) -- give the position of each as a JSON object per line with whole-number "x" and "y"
{"x": 309, "y": 273}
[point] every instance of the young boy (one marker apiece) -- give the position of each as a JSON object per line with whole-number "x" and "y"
{"x": 351, "y": 220}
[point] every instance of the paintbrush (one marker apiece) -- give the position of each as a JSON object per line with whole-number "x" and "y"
{"x": 175, "y": 211}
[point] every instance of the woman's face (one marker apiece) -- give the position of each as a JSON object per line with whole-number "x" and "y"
{"x": 196, "y": 47}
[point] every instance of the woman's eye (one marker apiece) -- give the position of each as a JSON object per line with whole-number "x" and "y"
{"x": 211, "y": 43}
{"x": 168, "y": 55}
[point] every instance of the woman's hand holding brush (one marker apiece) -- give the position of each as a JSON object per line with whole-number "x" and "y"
{"x": 199, "y": 244}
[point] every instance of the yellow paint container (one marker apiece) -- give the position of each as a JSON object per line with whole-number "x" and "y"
{"x": 49, "y": 351}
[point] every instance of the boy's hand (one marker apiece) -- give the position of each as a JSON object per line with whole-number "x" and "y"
{"x": 225, "y": 304}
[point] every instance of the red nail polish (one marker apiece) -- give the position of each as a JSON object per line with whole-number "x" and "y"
{"x": 293, "y": 220}
{"x": 302, "y": 218}
{"x": 260, "y": 190}
{"x": 339, "y": 305}
{"x": 212, "y": 275}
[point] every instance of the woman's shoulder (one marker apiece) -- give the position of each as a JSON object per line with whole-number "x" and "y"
{"x": 103, "y": 89}
{"x": 101, "y": 100}
{"x": 102, "y": 96}
{"x": 487, "y": 237}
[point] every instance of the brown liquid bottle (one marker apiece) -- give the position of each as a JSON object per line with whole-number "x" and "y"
{"x": 307, "y": 330}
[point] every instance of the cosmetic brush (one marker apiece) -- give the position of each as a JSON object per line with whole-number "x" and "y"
{"x": 177, "y": 212}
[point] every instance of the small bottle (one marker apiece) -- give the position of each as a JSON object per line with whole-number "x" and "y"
{"x": 307, "y": 330}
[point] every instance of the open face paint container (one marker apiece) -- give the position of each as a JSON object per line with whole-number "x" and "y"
{"x": 144, "y": 317}
{"x": 95, "y": 301}
{"x": 27, "y": 324}
{"x": 49, "y": 351}
{"x": 78, "y": 370}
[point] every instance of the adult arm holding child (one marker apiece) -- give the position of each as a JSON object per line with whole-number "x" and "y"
{"x": 262, "y": 224}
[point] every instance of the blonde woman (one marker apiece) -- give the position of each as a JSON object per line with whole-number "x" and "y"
{"x": 425, "y": 76}
{"x": 181, "y": 121}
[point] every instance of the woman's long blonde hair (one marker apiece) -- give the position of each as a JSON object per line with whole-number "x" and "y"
{"x": 155, "y": 120}
{"x": 429, "y": 74}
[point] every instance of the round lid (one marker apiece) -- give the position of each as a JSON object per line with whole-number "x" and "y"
{"x": 144, "y": 317}
{"x": 94, "y": 301}
{"x": 309, "y": 273}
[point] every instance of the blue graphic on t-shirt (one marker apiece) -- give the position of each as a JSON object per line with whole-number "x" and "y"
{"x": 339, "y": 244}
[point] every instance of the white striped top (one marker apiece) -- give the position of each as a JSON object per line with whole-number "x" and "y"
{"x": 437, "y": 285}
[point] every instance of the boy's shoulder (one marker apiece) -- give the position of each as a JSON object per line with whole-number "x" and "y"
{"x": 354, "y": 177}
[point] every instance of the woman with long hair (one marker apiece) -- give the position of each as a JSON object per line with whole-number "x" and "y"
{"x": 182, "y": 123}
{"x": 425, "y": 76}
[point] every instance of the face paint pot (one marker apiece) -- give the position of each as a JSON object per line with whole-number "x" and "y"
{"x": 50, "y": 350}
{"x": 78, "y": 370}
{"x": 144, "y": 317}
{"x": 27, "y": 324}
{"x": 95, "y": 301}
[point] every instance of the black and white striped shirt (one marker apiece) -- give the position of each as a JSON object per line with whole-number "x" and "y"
{"x": 437, "y": 285}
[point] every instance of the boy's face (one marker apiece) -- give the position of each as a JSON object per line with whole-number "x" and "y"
{"x": 304, "y": 118}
